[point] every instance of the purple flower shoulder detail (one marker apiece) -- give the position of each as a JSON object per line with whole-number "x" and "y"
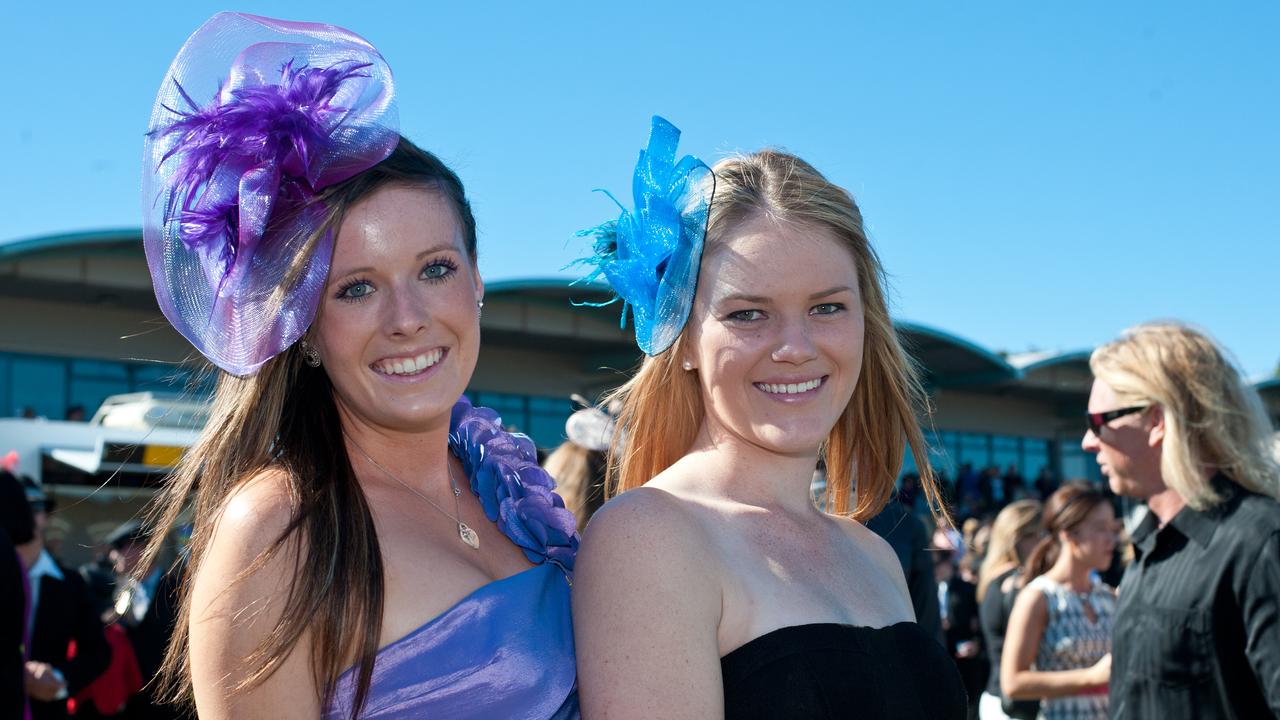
{"x": 515, "y": 492}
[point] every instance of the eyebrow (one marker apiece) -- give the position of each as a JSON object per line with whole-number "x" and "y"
{"x": 832, "y": 291}
{"x": 761, "y": 300}
{"x": 420, "y": 256}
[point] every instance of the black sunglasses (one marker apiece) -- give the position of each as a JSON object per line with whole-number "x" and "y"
{"x": 1097, "y": 420}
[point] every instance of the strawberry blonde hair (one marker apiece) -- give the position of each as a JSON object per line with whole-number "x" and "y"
{"x": 662, "y": 404}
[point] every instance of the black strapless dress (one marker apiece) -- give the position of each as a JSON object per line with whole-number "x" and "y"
{"x": 827, "y": 670}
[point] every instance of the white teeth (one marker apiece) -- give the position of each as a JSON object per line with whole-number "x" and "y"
{"x": 789, "y": 388}
{"x": 409, "y": 366}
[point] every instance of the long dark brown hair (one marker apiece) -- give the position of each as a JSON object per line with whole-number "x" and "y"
{"x": 1065, "y": 509}
{"x": 284, "y": 416}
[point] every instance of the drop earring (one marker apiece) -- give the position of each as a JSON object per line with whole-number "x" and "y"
{"x": 479, "y": 309}
{"x": 310, "y": 355}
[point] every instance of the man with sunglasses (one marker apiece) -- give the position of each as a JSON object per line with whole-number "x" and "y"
{"x": 1197, "y": 626}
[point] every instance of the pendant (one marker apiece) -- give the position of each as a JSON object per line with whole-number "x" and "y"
{"x": 468, "y": 536}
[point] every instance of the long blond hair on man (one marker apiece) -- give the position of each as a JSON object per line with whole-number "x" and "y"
{"x": 661, "y": 406}
{"x": 1214, "y": 420}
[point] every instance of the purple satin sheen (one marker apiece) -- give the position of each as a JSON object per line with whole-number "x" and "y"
{"x": 504, "y": 651}
{"x": 514, "y": 491}
{"x": 253, "y": 119}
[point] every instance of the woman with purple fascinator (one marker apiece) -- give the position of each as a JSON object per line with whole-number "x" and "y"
{"x": 365, "y": 544}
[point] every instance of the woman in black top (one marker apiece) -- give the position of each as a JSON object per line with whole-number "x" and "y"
{"x": 1013, "y": 535}
{"x": 713, "y": 586}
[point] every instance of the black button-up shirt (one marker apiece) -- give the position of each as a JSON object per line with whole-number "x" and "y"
{"x": 1197, "y": 627}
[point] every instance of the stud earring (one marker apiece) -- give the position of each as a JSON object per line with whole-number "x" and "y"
{"x": 688, "y": 366}
{"x": 310, "y": 355}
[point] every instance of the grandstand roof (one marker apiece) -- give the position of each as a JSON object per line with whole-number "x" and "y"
{"x": 45, "y": 266}
{"x": 72, "y": 243}
{"x": 952, "y": 361}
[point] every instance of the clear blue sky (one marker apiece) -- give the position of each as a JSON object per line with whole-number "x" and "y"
{"x": 1034, "y": 175}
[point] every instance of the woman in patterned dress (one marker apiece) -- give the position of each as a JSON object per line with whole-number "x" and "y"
{"x": 1058, "y": 644}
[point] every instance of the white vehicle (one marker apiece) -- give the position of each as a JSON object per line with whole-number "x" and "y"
{"x": 131, "y": 442}
{"x": 102, "y": 472}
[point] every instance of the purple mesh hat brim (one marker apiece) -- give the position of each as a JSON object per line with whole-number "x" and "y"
{"x": 253, "y": 119}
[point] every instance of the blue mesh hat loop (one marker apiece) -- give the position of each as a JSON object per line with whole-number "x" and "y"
{"x": 651, "y": 256}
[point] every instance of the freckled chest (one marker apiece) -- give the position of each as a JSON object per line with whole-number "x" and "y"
{"x": 801, "y": 572}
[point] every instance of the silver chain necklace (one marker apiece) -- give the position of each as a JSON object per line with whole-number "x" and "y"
{"x": 465, "y": 533}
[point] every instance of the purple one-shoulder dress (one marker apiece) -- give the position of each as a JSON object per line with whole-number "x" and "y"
{"x": 505, "y": 650}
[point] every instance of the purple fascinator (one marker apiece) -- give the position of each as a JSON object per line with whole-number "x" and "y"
{"x": 254, "y": 118}
{"x": 651, "y": 255}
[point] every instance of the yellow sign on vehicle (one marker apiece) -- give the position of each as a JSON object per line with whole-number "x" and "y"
{"x": 161, "y": 455}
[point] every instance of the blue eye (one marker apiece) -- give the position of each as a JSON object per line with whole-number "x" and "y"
{"x": 355, "y": 290}
{"x": 438, "y": 270}
{"x": 827, "y": 309}
{"x": 746, "y": 315}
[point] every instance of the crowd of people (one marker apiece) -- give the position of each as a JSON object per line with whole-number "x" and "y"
{"x": 1011, "y": 645}
{"x": 84, "y": 641}
{"x": 1052, "y": 609}
{"x": 367, "y": 543}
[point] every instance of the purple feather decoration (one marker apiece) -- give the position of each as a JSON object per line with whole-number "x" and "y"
{"x": 281, "y": 125}
{"x": 230, "y": 189}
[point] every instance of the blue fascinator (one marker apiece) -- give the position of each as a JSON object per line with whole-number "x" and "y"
{"x": 650, "y": 256}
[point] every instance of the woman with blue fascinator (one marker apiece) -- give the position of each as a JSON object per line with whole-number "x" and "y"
{"x": 365, "y": 544}
{"x": 712, "y": 586}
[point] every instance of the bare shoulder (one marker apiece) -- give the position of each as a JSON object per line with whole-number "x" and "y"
{"x": 1030, "y": 602}
{"x": 647, "y": 603}
{"x": 239, "y": 567}
{"x": 254, "y": 515}
{"x": 875, "y": 547}
{"x": 237, "y": 599}
{"x": 643, "y": 526}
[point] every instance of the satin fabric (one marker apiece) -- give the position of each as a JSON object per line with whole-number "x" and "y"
{"x": 504, "y": 651}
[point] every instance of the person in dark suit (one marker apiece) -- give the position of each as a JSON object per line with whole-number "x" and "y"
{"x": 958, "y": 603}
{"x": 63, "y": 612}
{"x": 907, "y": 535}
{"x": 16, "y": 526}
{"x": 148, "y": 609}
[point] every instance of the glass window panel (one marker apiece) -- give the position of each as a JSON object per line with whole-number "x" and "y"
{"x": 1035, "y": 455}
{"x": 546, "y": 420}
{"x": 942, "y": 452}
{"x": 147, "y": 377}
{"x": 974, "y": 449}
{"x": 99, "y": 369}
{"x": 908, "y": 463}
{"x": 510, "y": 407}
{"x": 1075, "y": 463}
{"x": 1091, "y": 469}
{"x": 89, "y": 394}
{"x": 1004, "y": 452}
{"x": 6, "y": 384}
{"x": 39, "y": 385}
{"x": 168, "y": 379}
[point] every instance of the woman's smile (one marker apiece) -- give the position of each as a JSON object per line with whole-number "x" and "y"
{"x": 409, "y": 366}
